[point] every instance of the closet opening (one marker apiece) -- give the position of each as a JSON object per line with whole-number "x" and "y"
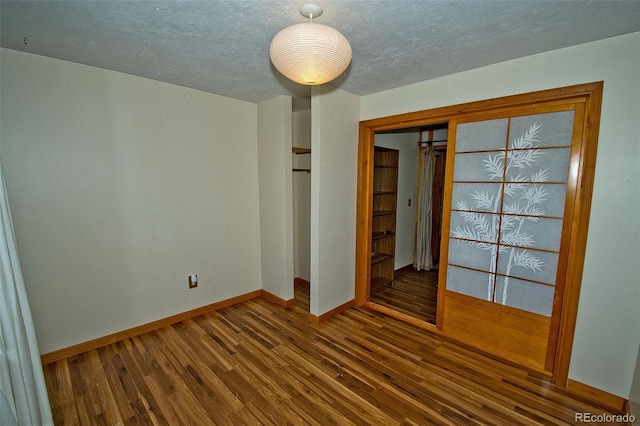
{"x": 408, "y": 188}
{"x": 301, "y": 201}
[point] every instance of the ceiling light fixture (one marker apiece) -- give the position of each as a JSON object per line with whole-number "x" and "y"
{"x": 310, "y": 53}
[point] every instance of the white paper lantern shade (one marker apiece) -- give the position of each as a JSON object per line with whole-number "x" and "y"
{"x": 310, "y": 53}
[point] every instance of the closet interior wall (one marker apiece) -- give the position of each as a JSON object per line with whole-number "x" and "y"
{"x": 301, "y": 196}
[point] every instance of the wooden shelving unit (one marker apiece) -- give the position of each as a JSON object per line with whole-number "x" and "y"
{"x": 383, "y": 238}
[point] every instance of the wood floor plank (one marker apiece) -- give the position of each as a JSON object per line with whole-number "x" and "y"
{"x": 244, "y": 416}
{"x": 412, "y": 292}
{"x": 84, "y": 416}
{"x": 161, "y": 411}
{"x": 257, "y": 363}
{"x": 145, "y": 385}
{"x": 216, "y": 330}
{"x": 189, "y": 411}
{"x": 400, "y": 409}
{"x": 65, "y": 392}
{"x": 115, "y": 386}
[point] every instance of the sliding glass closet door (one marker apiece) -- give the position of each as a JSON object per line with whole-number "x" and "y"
{"x": 518, "y": 185}
{"x": 509, "y": 218}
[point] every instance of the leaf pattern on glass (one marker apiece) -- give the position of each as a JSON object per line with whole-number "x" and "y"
{"x": 517, "y": 238}
{"x": 528, "y": 138}
{"x": 495, "y": 166}
{"x": 527, "y": 260}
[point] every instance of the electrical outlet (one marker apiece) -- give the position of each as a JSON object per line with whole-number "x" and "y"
{"x": 193, "y": 281}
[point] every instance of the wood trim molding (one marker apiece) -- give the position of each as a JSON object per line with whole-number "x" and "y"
{"x": 364, "y": 208}
{"x": 596, "y": 395}
{"x": 314, "y": 319}
{"x": 277, "y": 300}
{"x": 418, "y": 323}
{"x": 627, "y": 410}
{"x": 445, "y": 223}
{"x": 406, "y": 268}
{"x": 144, "y": 328}
{"x": 442, "y": 114}
{"x": 579, "y": 228}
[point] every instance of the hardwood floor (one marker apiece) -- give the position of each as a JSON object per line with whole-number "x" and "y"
{"x": 413, "y": 293}
{"x": 257, "y": 363}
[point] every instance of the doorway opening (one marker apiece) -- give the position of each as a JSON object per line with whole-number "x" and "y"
{"x": 409, "y": 167}
{"x": 486, "y": 190}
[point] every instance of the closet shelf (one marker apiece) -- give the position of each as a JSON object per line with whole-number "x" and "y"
{"x": 297, "y": 150}
{"x": 381, "y": 234}
{"x": 380, "y": 257}
{"x": 382, "y": 212}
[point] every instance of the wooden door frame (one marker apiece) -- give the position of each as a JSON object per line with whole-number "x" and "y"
{"x": 591, "y": 95}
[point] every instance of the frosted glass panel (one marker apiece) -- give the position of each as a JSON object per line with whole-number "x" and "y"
{"x": 525, "y": 295}
{"x": 462, "y": 253}
{"x": 538, "y": 233}
{"x": 528, "y": 264}
{"x": 471, "y": 167}
{"x": 482, "y": 136}
{"x": 518, "y": 193}
{"x": 481, "y": 197}
{"x": 536, "y": 199}
{"x": 538, "y": 165}
{"x": 471, "y": 283}
{"x": 475, "y": 226}
{"x": 553, "y": 129}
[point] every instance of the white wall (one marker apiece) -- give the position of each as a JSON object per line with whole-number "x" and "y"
{"x": 276, "y": 208}
{"x": 407, "y": 145}
{"x": 121, "y": 187}
{"x": 607, "y": 332}
{"x": 302, "y": 196}
{"x": 334, "y": 145}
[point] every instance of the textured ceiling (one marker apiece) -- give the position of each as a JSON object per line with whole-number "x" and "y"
{"x": 222, "y": 46}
